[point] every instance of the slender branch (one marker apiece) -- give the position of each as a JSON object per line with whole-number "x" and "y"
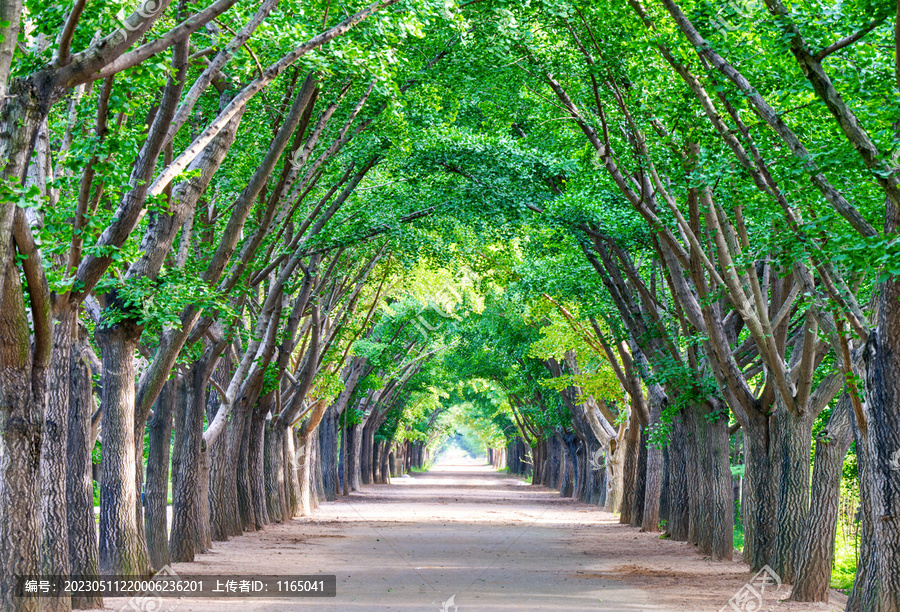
{"x": 64, "y": 55}
{"x": 240, "y": 100}
{"x": 848, "y": 40}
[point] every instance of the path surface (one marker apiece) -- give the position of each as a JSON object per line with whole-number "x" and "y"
{"x": 484, "y": 538}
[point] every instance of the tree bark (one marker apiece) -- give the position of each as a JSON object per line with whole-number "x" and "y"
{"x": 653, "y": 481}
{"x": 354, "y": 457}
{"x": 883, "y": 443}
{"x": 719, "y": 475}
{"x": 816, "y": 546}
{"x": 758, "y": 506}
{"x": 629, "y": 468}
{"x": 257, "y": 459}
{"x": 678, "y": 521}
{"x": 244, "y": 486}
{"x": 54, "y": 459}
{"x": 22, "y": 400}
{"x": 84, "y": 553}
{"x": 218, "y": 457}
{"x": 157, "y": 489}
{"x": 367, "y": 453}
{"x": 328, "y": 439}
{"x": 640, "y": 482}
{"x": 795, "y": 436}
{"x": 291, "y": 474}
{"x": 185, "y": 538}
{"x": 304, "y": 460}
{"x": 122, "y": 550}
{"x": 276, "y": 506}
{"x": 615, "y": 475}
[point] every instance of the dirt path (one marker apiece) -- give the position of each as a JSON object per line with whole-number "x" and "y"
{"x": 486, "y": 539}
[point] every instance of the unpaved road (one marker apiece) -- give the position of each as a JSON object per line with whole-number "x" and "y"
{"x": 486, "y": 539}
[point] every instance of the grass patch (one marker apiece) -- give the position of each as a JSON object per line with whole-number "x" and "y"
{"x": 738, "y": 536}
{"x": 846, "y": 554}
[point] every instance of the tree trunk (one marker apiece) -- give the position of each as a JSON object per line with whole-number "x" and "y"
{"x": 640, "y": 482}
{"x": 383, "y": 460}
{"x": 665, "y": 494}
{"x": 184, "y": 540}
{"x": 367, "y": 454}
{"x": 863, "y": 596}
{"x": 244, "y": 486}
{"x": 157, "y": 490}
{"x": 344, "y": 471}
{"x": 552, "y": 470}
{"x": 204, "y": 533}
{"x": 816, "y": 547}
{"x": 84, "y": 554}
{"x": 354, "y": 457}
{"x": 274, "y": 475}
{"x": 328, "y": 440}
{"x": 54, "y": 459}
{"x": 567, "y": 481}
{"x": 233, "y": 433}
{"x": 629, "y": 468}
{"x": 719, "y": 476}
{"x": 376, "y": 462}
{"x": 217, "y": 458}
{"x": 705, "y": 511}
{"x": 652, "y": 490}
{"x": 679, "y": 511}
{"x": 795, "y": 435}
{"x": 615, "y": 476}
{"x": 538, "y": 455}
{"x": 303, "y": 463}
{"x": 122, "y": 550}
{"x": 653, "y": 481}
{"x": 883, "y": 439}
{"x": 257, "y": 459}
{"x": 758, "y": 499}
{"x": 22, "y": 401}
{"x": 291, "y": 474}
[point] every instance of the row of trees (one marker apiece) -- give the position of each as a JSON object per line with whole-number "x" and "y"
{"x": 728, "y": 180}
{"x": 185, "y": 267}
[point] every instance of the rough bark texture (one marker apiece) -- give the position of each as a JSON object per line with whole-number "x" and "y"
{"x": 795, "y": 435}
{"x": 629, "y": 468}
{"x": 84, "y": 554}
{"x": 367, "y": 453}
{"x": 883, "y": 403}
{"x": 354, "y": 457}
{"x": 759, "y": 497}
{"x": 244, "y": 486}
{"x": 677, "y": 525}
{"x": 21, "y": 424}
{"x": 257, "y": 460}
{"x": 121, "y": 548}
{"x": 184, "y": 540}
{"x": 721, "y": 498}
{"x": 217, "y": 457}
{"x": 157, "y": 487}
{"x": 816, "y": 547}
{"x": 276, "y": 507}
{"x": 653, "y": 481}
{"x": 54, "y": 460}
{"x": 328, "y": 439}
{"x": 640, "y": 482}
